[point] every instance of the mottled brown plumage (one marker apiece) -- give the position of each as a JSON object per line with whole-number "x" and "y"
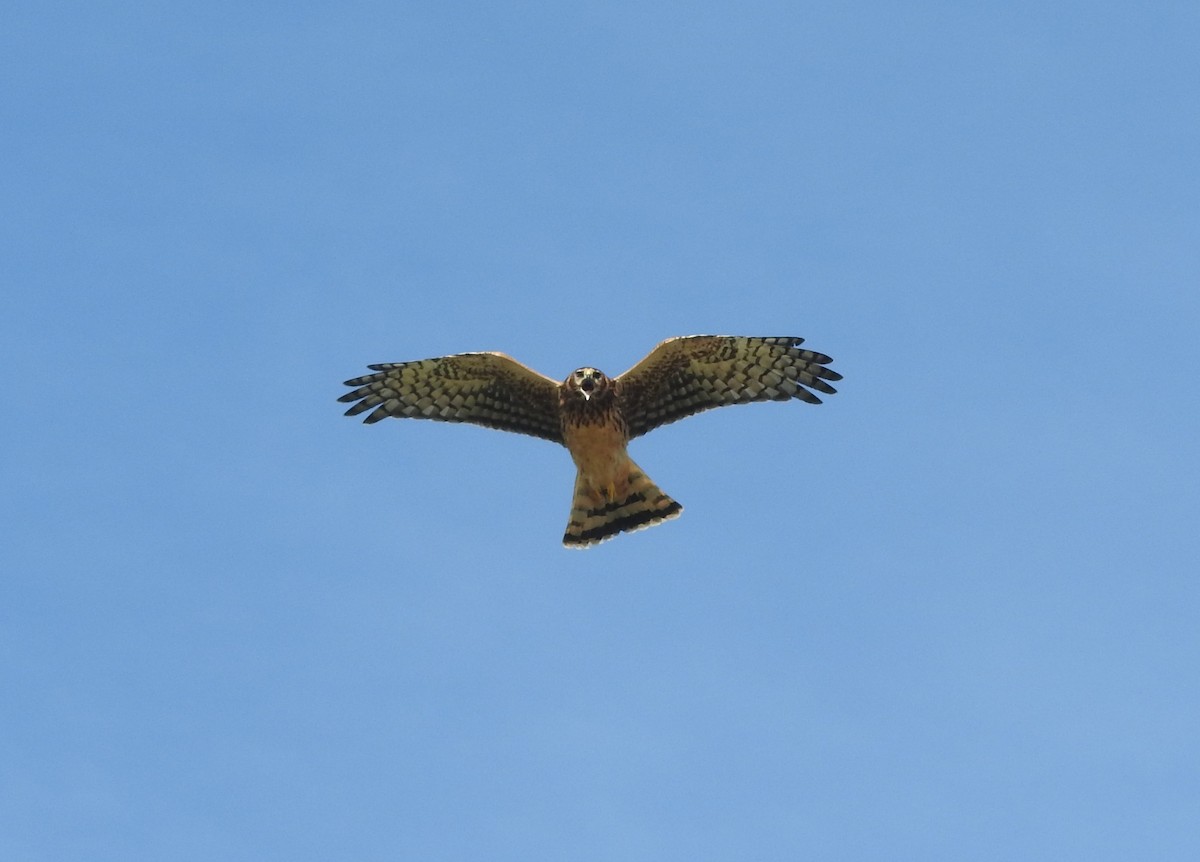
{"x": 595, "y": 416}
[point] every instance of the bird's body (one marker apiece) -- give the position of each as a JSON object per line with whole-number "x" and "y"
{"x": 612, "y": 494}
{"x": 599, "y": 453}
{"x": 595, "y": 416}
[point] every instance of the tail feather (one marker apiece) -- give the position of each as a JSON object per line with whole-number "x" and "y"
{"x": 595, "y": 517}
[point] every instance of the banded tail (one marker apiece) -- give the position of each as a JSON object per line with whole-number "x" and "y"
{"x": 634, "y": 504}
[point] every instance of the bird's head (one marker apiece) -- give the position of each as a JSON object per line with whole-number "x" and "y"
{"x": 588, "y": 383}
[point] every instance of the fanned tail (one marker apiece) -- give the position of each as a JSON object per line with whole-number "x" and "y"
{"x": 636, "y": 504}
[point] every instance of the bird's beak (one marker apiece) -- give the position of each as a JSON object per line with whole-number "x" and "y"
{"x": 587, "y": 394}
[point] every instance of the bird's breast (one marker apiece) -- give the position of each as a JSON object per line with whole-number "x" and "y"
{"x": 596, "y": 446}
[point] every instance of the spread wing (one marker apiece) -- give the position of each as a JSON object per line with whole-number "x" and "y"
{"x": 685, "y": 375}
{"x": 488, "y": 389}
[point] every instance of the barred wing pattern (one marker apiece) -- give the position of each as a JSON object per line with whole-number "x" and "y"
{"x": 682, "y": 376}
{"x": 489, "y": 389}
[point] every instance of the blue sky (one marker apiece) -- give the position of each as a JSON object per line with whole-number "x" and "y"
{"x": 951, "y": 613}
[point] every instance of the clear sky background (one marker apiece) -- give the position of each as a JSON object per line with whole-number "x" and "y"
{"x": 952, "y": 613}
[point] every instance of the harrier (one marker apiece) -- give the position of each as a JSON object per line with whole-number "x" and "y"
{"x": 595, "y": 416}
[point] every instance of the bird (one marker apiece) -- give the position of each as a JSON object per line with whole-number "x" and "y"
{"x": 595, "y": 416}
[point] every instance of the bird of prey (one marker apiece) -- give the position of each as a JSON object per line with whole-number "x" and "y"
{"x": 595, "y": 416}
